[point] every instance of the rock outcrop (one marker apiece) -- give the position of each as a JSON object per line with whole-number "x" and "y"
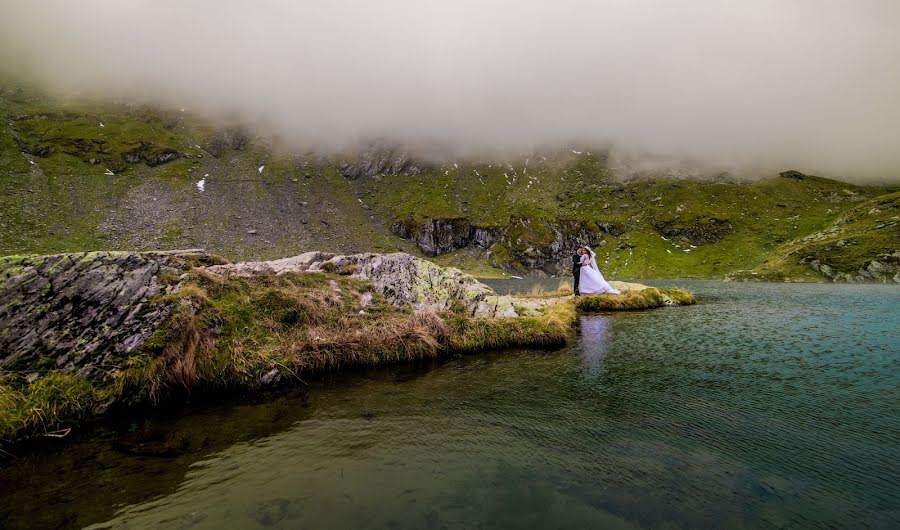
{"x": 80, "y": 312}
{"x": 85, "y": 313}
{"x": 555, "y": 256}
{"x": 402, "y": 279}
{"x": 227, "y": 139}
{"x": 884, "y": 269}
{"x": 440, "y": 236}
{"x": 698, "y": 231}
{"x": 379, "y": 160}
{"x": 151, "y": 156}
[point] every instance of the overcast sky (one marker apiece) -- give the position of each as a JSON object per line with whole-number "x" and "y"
{"x": 758, "y": 84}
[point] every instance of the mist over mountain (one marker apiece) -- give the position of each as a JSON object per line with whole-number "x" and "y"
{"x": 748, "y": 87}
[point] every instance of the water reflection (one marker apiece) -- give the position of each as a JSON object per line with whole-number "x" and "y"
{"x": 763, "y": 406}
{"x": 594, "y": 336}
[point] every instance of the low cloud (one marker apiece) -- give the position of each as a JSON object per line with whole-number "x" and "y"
{"x": 752, "y": 86}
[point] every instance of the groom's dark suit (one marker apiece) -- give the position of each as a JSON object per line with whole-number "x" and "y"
{"x": 576, "y": 271}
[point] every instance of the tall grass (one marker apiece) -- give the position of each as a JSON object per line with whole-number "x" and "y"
{"x": 42, "y": 406}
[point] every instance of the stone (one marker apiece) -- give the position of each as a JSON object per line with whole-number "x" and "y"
{"x": 381, "y": 160}
{"x": 400, "y": 278}
{"x": 227, "y": 139}
{"x": 696, "y": 231}
{"x": 792, "y": 174}
{"x": 82, "y": 311}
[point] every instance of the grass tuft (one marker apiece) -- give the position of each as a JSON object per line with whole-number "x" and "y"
{"x": 44, "y": 406}
{"x": 649, "y": 298}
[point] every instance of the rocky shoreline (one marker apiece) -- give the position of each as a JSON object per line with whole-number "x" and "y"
{"x": 85, "y": 333}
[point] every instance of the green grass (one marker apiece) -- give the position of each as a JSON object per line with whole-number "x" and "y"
{"x": 43, "y": 406}
{"x": 572, "y": 192}
{"x": 869, "y": 231}
{"x": 649, "y": 298}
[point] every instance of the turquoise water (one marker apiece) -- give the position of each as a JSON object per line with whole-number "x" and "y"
{"x": 763, "y": 406}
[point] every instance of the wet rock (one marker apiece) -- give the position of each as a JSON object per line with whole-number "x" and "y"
{"x": 271, "y": 377}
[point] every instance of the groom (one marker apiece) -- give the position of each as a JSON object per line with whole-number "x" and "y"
{"x": 576, "y": 268}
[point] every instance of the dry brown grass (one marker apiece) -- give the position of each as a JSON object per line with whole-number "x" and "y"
{"x": 233, "y": 331}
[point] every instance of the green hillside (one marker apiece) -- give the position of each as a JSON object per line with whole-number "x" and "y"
{"x": 861, "y": 245}
{"x": 87, "y": 176}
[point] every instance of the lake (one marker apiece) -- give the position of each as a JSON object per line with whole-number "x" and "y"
{"x": 764, "y": 406}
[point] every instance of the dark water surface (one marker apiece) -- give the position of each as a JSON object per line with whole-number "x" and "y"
{"x": 763, "y": 406}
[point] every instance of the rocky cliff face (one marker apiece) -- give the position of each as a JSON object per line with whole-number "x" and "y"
{"x": 380, "y": 160}
{"x": 82, "y": 312}
{"x": 440, "y": 236}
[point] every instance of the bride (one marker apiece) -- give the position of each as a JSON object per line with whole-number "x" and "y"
{"x": 592, "y": 280}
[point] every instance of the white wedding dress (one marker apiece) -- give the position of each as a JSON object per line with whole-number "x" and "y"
{"x": 592, "y": 280}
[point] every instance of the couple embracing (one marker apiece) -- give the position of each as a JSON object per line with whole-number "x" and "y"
{"x": 588, "y": 278}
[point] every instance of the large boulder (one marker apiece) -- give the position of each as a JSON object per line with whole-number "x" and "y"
{"x": 402, "y": 279}
{"x": 80, "y": 312}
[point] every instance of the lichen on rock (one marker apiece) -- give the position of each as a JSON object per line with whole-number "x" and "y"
{"x": 80, "y": 312}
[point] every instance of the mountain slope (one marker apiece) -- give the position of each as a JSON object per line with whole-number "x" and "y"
{"x": 87, "y": 176}
{"x": 860, "y": 246}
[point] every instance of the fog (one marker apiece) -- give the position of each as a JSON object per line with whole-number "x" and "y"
{"x": 751, "y": 86}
